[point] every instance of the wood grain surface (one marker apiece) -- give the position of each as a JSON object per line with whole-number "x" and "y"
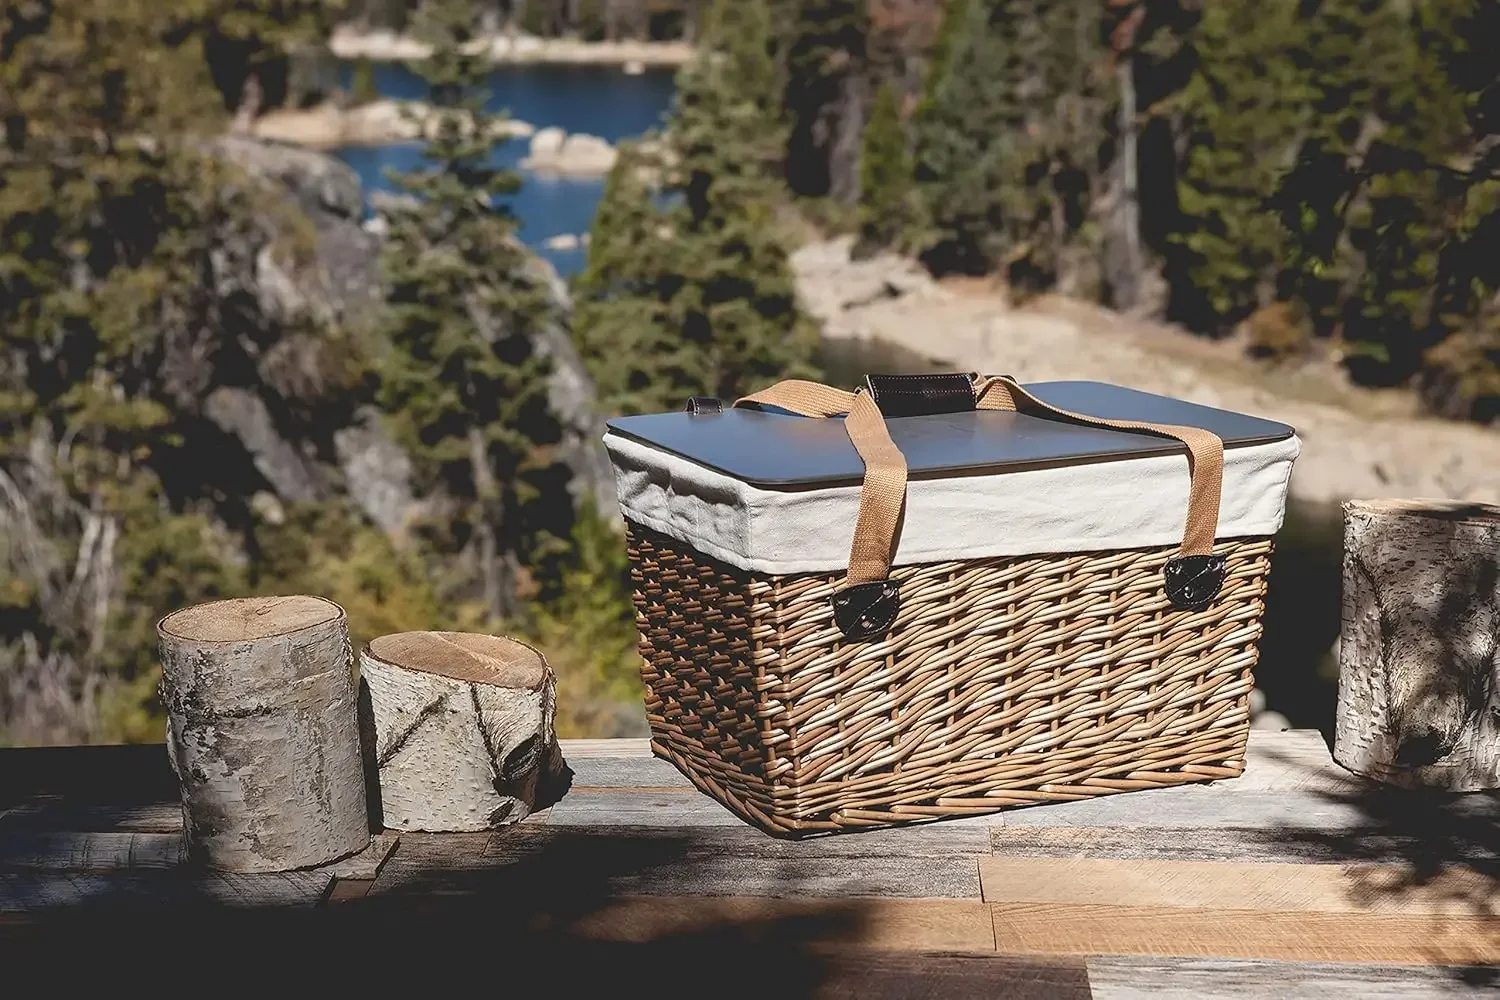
{"x": 1296, "y": 879}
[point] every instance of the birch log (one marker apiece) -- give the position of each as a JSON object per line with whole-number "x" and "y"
{"x": 1418, "y": 702}
{"x": 263, "y": 732}
{"x": 463, "y": 729}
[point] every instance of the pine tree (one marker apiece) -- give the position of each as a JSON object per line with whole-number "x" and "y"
{"x": 1391, "y": 203}
{"x": 1279, "y": 130}
{"x": 362, "y": 89}
{"x": 1008, "y": 152}
{"x": 886, "y": 181}
{"x": 248, "y": 43}
{"x": 108, "y": 221}
{"x": 728, "y": 110}
{"x": 1247, "y": 104}
{"x": 690, "y": 292}
{"x": 1380, "y": 285}
{"x": 823, "y": 46}
{"x": 461, "y": 378}
{"x": 955, "y": 19}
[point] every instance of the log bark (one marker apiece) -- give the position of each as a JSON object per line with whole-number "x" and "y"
{"x": 263, "y": 733}
{"x": 462, "y": 730}
{"x": 1418, "y": 702}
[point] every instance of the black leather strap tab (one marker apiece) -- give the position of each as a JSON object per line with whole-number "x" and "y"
{"x": 699, "y": 405}
{"x": 1192, "y": 582}
{"x": 867, "y": 610}
{"x": 919, "y": 395}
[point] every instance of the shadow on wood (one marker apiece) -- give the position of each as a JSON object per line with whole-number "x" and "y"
{"x": 550, "y": 918}
{"x": 1440, "y": 843}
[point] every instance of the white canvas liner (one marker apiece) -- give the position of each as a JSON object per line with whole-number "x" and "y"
{"x": 1091, "y": 507}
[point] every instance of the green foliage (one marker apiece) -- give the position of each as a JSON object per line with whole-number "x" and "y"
{"x": 687, "y": 289}
{"x": 955, "y": 19}
{"x": 329, "y": 549}
{"x": 105, "y": 230}
{"x": 886, "y": 185}
{"x": 461, "y": 379}
{"x": 590, "y": 638}
{"x": 733, "y": 88}
{"x": 1248, "y": 105}
{"x": 120, "y": 499}
{"x": 249, "y": 43}
{"x": 823, "y": 49}
{"x": 589, "y": 20}
{"x": 1008, "y": 151}
{"x": 1322, "y": 174}
{"x": 362, "y": 88}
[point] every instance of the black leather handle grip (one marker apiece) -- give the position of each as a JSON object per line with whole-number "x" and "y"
{"x": 919, "y": 395}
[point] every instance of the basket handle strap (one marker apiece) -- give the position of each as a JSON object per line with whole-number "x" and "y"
{"x": 1205, "y": 454}
{"x": 884, "y": 490}
{"x": 865, "y": 607}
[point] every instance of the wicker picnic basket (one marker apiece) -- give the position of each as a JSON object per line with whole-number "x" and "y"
{"x": 1042, "y": 600}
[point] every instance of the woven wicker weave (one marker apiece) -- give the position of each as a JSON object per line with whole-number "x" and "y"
{"x": 1004, "y": 682}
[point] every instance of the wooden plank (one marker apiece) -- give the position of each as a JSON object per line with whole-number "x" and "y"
{"x": 730, "y": 861}
{"x": 347, "y": 889}
{"x": 37, "y": 892}
{"x": 67, "y": 815}
{"x": 140, "y": 773}
{"x": 83, "y": 852}
{"x": 1278, "y": 889}
{"x": 649, "y": 807}
{"x": 1291, "y": 845}
{"x": 641, "y": 773}
{"x": 900, "y": 924}
{"x": 1375, "y": 938}
{"x": 1199, "y": 806}
{"x": 1117, "y": 978}
{"x": 365, "y": 865}
{"x": 619, "y": 748}
{"x": 1293, "y": 761}
{"x": 890, "y": 976}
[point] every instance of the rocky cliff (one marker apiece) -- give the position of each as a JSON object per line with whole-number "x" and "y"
{"x": 339, "y": 283}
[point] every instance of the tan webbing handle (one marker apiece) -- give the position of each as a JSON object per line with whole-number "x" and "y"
{"x": 884, "y": 491}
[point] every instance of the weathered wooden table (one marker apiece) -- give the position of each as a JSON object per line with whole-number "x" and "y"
{"x": 1292, "y": 880}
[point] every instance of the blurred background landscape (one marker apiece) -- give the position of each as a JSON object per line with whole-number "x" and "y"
{"x": 333, "y": 297}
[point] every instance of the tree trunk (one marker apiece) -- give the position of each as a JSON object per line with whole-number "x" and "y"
{"x": 497, "y": 599}
{"x": 463, "y": 730}
{"x": 251, "y": 95}
{"x": 1418, "y": 701}
{"x": 848, "y": 134}
{"x": 1124, "y": 235}
{"x": 262, "y": 731}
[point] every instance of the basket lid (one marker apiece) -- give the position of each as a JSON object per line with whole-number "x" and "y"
{"x": 779, "y": 449}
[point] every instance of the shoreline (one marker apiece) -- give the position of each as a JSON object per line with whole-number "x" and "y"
{"x": 383, "y": 122}
{"x": 348, "y": 42}
{"x": 1355, "y": 441}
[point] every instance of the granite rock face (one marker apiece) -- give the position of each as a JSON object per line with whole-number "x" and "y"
{"x": 342, "y": 284}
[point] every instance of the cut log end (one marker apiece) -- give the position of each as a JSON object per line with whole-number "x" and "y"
{"x": 1418, "y": 649}
{"x": 246, "y": 619}
{"x": 462, "y": 730}
{"x": 1438, "y": 510}
{"x": 464, "y": 656}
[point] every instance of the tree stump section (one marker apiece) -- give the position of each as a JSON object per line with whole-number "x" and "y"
{"x": 462, "y": 730}
{"x": 263, "y": 732}
{"x": 1418, "y": 702}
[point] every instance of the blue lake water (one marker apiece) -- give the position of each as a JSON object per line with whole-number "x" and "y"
{"x": 597, "y": 100}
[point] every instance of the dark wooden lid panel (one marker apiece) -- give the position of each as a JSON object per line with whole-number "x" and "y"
{"x": 778, "y": 449}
